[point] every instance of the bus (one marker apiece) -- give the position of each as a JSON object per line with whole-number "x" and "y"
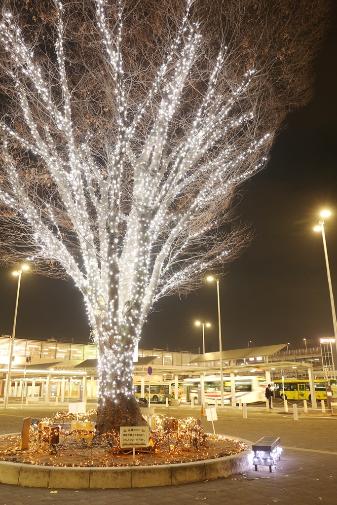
{"x": 299, "y": 389}
{"x": 156, "y": 393}
{"x": 248, "y": 389}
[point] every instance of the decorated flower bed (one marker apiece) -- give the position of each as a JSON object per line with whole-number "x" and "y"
{"x": 69, "y": 440}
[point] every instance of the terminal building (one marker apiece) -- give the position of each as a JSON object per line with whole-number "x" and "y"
{"x": 53, "y": 371}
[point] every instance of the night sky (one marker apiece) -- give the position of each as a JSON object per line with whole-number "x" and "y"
{"x": 277, "y": 290}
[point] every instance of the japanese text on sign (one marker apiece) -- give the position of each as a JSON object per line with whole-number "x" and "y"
{"x": 134, "y": 436}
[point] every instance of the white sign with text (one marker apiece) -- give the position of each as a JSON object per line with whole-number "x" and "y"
{"x": 134, "y": 436}
{"x": 77, "y": 408}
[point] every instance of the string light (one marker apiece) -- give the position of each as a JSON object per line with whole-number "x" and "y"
{"x": 129, "y": 259}
{"x": 77, "y": 445}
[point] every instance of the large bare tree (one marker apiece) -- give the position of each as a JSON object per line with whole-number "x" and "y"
{"x": 121, "y": 156}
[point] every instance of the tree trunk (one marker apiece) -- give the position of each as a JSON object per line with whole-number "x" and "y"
{"x": 111, "y": 415}
{"x": 116, "y": 404}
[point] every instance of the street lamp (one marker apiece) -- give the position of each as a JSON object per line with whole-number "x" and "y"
{"x": 320, "y": 228}
{"x": 210, "y": 279}
{"x": 288, "y": 344}
{"x": 249, "y": 342}
{"x": 16, "y": 273}
{"x": 305, "y": 343}
{"x": 204, "y": 324}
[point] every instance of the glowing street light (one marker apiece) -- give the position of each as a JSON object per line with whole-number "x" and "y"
{"x": 305, "y": 343}
{"x": 204, "y": 324}
{"x": 320, "y": 227}
{"x": 325, "y": 214}
{"x": 317, "y": 228}
{"x": 211, "y": 279}
{"x": 16, "y": 273}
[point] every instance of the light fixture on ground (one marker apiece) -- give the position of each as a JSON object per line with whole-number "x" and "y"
{"x": 16, "y": 273}
{"x": 203, "y": 324}
{"x": 210, "y": 279}
{"x": 320, "y": 228}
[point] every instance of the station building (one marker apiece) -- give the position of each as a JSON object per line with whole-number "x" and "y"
{"x": 53, "y": 371}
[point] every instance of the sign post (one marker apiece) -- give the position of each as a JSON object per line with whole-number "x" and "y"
{"x": 132, "y": 437}
{"x": 212, "y": 416}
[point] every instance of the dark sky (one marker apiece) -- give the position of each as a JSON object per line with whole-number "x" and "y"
{"x": 277, "y": 290}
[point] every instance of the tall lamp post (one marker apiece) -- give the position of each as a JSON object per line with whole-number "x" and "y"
{"x": 320, "y": 228}
{"x": 16, "y": 273}
{"x": 211, "y": 278}
{"x": 203, "y": 324}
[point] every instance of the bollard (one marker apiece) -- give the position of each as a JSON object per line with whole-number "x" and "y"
{"x": 295, "y": 412}
{"x": 244, "y": 411}
{"x": 285, "y": 405}
{"x": 240, "y": 403}
{"x": 25, "y": 433}
{"x": 323, "y": 406}
{"x": 305, "y": 406}
{"x": 166, "y": 401}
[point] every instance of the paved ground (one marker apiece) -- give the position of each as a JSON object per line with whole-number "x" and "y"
{"x": 306, "y": 475}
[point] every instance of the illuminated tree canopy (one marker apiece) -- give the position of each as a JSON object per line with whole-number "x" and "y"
{"x": 139, "y": 208}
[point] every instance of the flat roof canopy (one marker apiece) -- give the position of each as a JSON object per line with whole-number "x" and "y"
{"x": 245, "y": 353}
{"x": 92, "y": 363}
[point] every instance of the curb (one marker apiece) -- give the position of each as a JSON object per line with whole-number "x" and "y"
{"x": 38, "y": 476}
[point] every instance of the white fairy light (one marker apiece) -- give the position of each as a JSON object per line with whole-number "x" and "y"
{"x": 129, "y": 261}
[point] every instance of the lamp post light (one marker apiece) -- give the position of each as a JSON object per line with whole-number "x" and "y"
{"x": 320, "y": 228}
{"x": 203, "y": 324}
{"x": 288, "y": 344}
{"x": 305, "y": 343}
{"x": 210, "y": 279}
{"x": 16, "y": 273}
{"x": 249, "y": 343}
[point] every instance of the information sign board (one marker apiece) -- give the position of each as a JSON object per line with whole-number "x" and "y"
{"x": 211, "y": 414}
{"x": 77, "y": 408}
{"x": 134, "y": 436}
